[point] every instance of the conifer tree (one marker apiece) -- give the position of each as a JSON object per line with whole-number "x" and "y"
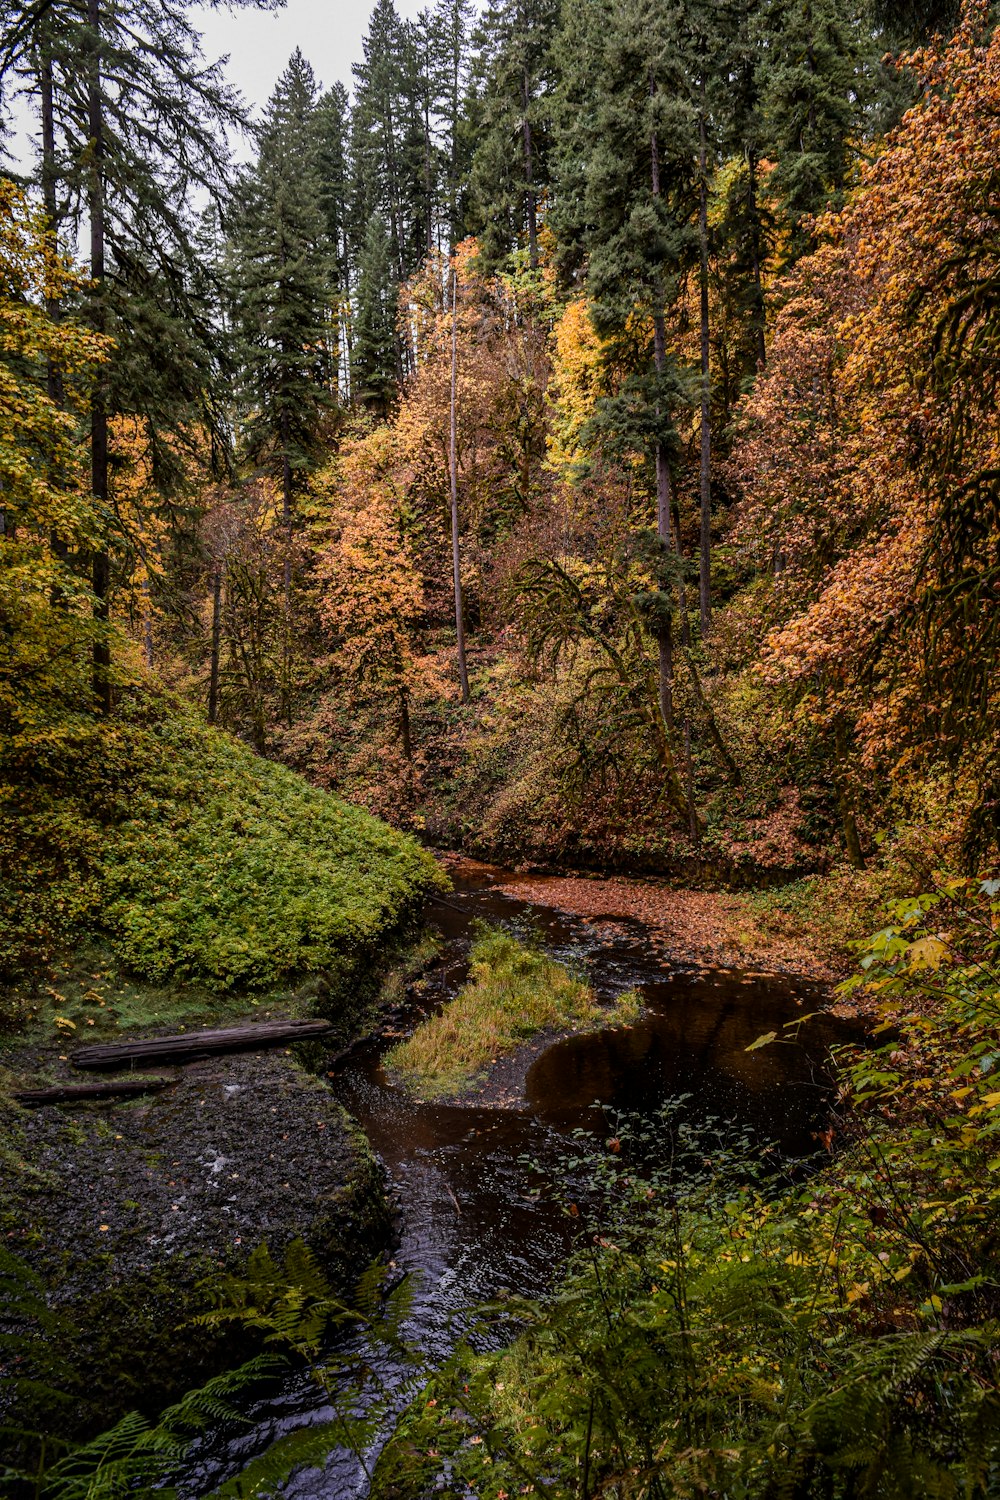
{"x": 133, "y": 124}
{"x": 284, "y": 293}
{"x": 449, "y": 25}
{"x": 639, "y": 201}
{"x": 811, "y": 103}
{"x": 511, "y": 172}
{"x": 332, "y": 123}
{"x": 284, "y": 275}
{"x": 375, "y": 351}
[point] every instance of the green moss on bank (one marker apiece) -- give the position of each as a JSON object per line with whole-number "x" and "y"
{"x": 190, "y": 855}
{"x": 513, "y": 993}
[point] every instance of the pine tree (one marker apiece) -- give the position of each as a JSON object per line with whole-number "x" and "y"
{"x": 811, "y": 103}
{"x": 451, "y": 22}
{"x": 285, "y": 274}
{"x": 375, "y": 352}
{"x": 332, "y": 124}
{"x": 284, "y": 294}
{"x": 637, "y": 207}
{"x": 511, "y": 173}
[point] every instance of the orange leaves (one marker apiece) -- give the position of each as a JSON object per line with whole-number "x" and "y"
{"x": 868, "y": 418}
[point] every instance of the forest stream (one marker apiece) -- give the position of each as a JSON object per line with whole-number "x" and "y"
{"x": 471, "y": 1221}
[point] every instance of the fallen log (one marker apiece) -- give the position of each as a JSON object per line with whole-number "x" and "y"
{"x": 193, "y": 1045}
{"x": 73, "y": 1093}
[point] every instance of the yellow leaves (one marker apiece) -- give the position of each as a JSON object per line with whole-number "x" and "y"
{"x": 575, "y": 384}
{"x": 926, "y": 953}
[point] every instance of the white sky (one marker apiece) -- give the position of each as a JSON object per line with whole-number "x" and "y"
{"x": 259, "y": 44}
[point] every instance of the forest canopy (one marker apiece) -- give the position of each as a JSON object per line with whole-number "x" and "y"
{"x": 581, "y": 429}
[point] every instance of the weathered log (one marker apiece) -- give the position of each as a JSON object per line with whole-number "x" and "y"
{"x": 72, "y": 1093}
{"x": 196, "y": 1044}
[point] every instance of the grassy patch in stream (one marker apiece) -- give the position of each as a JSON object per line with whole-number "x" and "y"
{"x": 513, "y": 993}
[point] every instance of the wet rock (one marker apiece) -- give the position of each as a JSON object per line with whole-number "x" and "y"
{"x": 128, "y": 1209}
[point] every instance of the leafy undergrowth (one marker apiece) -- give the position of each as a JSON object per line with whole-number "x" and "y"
{"x": 191, "y": 857}
{"x": 720, "y": 1334}
{"x": 513, "y": 992}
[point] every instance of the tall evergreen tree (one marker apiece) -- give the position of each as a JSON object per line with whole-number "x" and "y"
{"x": 811, "y": 103}
{"x": 450, "y": 30}
{"x": 133, "y": 124}
{"x": 284, "y": 270}
{"x": 284, "y": 273}
{"x": 638, "y": 207}
{"x": 511, "y": 172}
{"x": 332, "y": 123}
{"x": 375, "y": 351}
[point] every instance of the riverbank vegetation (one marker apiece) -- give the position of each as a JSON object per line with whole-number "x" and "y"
{"x": 188, "y": 857}
{"x": 513, "y": 993}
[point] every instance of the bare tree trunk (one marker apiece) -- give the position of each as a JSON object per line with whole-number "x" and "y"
{"x": 147, "y": 625}
{"x": 463, "y": 674}
{"x": 47, "y": 90}
{"x": 101, "y": 566}
{"x": 665, "y": 649}
{"x": 759, "y": 311}
{"x": 705, "y": 579}
{"x": 213, "y": 677}
{"x": 404, "y": 724}
{"x": 663, "y": 495}
{"x": 54, "y": 379}
{"x": 286, "y": 521}
{"x": 711, "y": 723}
{"x": 530, "y": 196}
{"x": 693, "y": 823}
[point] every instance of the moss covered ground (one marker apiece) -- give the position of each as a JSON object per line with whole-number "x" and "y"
{"x": 513, "y": 993}
{"x": 191, "y": 857}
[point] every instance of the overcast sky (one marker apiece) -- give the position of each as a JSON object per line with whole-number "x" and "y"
{"x": 259, "y": 44}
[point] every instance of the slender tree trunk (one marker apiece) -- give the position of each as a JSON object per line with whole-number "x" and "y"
{"x": 463, "y": 674}
{"x": 53, "y": 376}
{"x": 47, "y": 90}
{"x": 429, "y": 238}
{"x": 711, "y": 723}
{"x": 404, "y": 725}
{"x": 705, "y": 562}
{"x": 286, "y": 522}
{"x": 663, "y": 495}
{"x": 101, "y": 576}
{"x": 530, "y": 196}
{"x": 147, "y": 625}
{"x": 759, "y": 311}
{"x": 213, "y": 677}
{"x": 693, "y": 824}
{"x": 456, "y": 61}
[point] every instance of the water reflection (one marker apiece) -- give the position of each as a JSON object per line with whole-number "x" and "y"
{"x": 473, "y": 1218}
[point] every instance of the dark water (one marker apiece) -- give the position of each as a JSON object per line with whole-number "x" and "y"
{"x": 471, "y": 1218}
